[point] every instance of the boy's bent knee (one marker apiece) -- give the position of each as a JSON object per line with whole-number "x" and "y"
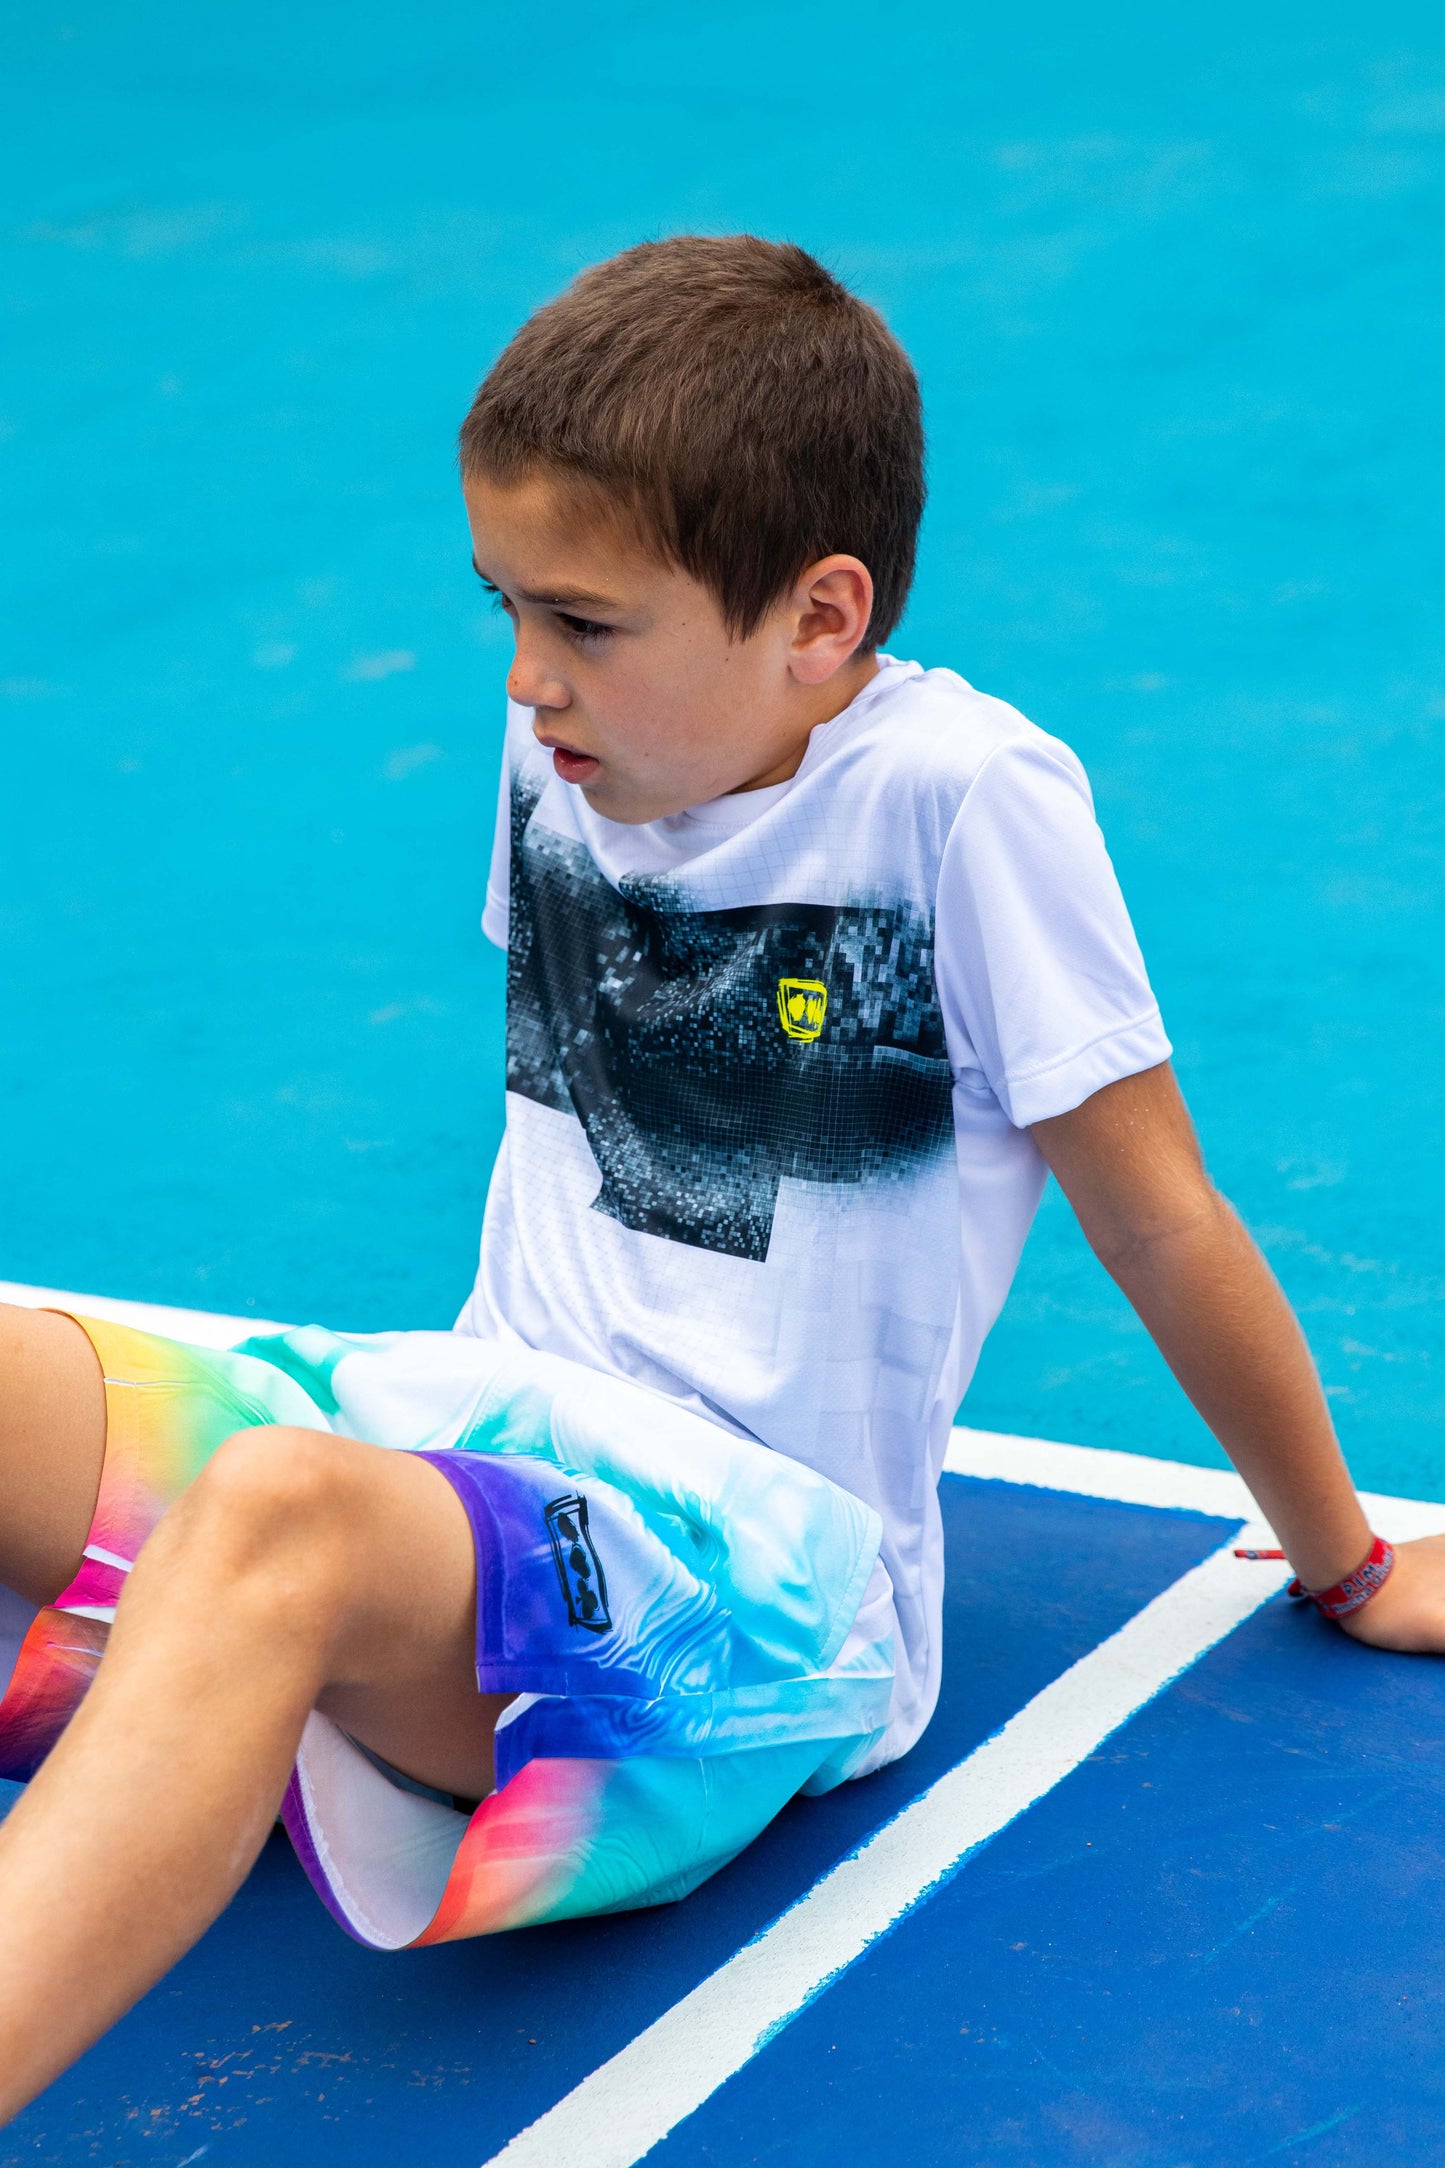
{"x": 272, "y": 1473}
{"x": 267, "y": 1493}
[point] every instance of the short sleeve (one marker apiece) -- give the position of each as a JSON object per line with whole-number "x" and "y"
{"x": 496, "y": 912}
{"x": 1044, "y": 991}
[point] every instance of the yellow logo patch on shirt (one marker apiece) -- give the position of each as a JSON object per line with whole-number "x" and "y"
{"x": 802, "y": 1006}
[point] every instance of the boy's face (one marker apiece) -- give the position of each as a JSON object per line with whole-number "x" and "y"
{"x": 645, "y": 699}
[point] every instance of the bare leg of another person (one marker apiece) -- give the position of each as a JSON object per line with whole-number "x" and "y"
{"x": 298, "y": 1569}
{"x": 52, "y": 1444}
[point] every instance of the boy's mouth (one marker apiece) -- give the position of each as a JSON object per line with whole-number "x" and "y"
{"x": 574, "y": 767}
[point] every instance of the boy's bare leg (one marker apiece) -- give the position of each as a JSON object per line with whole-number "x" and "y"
{"x": 52, "y": 1443}
{"x": 298, "y": 1570}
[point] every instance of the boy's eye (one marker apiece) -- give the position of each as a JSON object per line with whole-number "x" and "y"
{"x": 494, "y": 593}
{"x": 582, "y": 628}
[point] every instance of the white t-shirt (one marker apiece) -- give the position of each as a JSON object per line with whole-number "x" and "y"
{"x": 771, "y": 1064}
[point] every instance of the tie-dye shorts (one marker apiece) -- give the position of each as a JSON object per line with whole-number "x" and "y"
{"x": 693, "y": 1628}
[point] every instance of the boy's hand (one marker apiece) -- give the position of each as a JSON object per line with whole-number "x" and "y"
{"x": 1408, "y": 1614}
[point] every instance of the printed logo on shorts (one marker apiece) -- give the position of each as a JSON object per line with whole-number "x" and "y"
{"x": 579, "y": 1569}
{"x": 802, "y": 1005}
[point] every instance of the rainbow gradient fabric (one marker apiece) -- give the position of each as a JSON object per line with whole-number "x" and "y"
{"x": 692, "y": 1628}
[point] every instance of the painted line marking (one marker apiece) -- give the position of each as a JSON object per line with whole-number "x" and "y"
{"x": 630, "y": 2103}
{"x": 1039, "y": 1463}
{"x": 1131, "y": 1479}
{"x": 203, "y": 1328}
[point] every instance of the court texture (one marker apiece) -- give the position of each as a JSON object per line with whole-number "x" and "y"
{"x": 1162, "y": 1885}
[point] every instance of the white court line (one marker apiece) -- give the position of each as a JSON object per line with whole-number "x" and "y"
{"x": 1087, "y": 1471}
{"x": 1131, "y": 1479}
{"x": 628, "y": 2105}
{"x": 203, "y": 1328}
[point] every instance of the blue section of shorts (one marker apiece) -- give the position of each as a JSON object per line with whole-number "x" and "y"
{"x": 617, "y": 1638}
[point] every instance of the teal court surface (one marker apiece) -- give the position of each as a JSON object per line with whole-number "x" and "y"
{"x": 1161, "y": 1887}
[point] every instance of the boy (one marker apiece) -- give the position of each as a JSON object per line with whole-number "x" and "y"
{"x": 816, "y": 961}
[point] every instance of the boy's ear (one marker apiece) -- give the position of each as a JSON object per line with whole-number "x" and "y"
{"x": 831, "y": 605}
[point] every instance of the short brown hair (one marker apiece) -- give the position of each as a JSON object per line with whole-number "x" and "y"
{"x": 748, "y": 412}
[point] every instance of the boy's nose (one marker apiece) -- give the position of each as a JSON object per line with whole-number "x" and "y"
{"x": 532, "y": 683}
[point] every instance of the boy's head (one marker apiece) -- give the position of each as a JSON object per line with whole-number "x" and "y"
{"x": 695, "y": 480}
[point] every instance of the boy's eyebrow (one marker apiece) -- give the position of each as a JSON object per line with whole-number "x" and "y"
{"x": 557, "y": 598}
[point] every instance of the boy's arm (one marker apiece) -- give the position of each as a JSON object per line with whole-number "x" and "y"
{"x": 1129, "y": 1164}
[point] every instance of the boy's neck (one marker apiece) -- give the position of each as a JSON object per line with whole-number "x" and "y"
{"x": 826, "y": 705}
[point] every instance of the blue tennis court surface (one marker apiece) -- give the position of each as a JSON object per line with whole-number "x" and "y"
{"x": 1171, "y": 281}
{"x": 1215, "y": 1940}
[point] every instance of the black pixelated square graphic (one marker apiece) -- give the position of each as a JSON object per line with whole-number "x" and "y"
{"x": 697, "y": 1051}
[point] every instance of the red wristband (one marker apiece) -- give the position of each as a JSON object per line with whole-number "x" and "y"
{"x": 1356, "y": 1589}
